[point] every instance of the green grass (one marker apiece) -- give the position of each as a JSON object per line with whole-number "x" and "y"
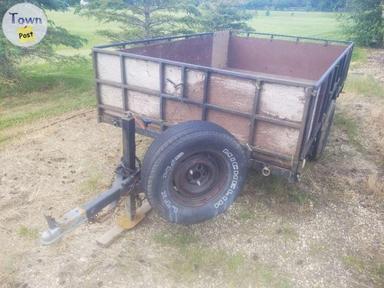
{"x": 350, "y": 127}
{"x": 277, "y": 188}
{"x": 190, "y": 260}
{"x": 28, "y": 233}
{"x": 310, "y": 24}
{"x": 287, "y": 232}
{"x": 360, "y": 55}
{"x": 43, "y": 91}
{"x": 96, "y": 181}
{"x": 365, "y": 85}
{"x": 246, "y": 213}
{"x": 371, "y": 267}
{"x": 179, "y": 239}
{"x": 81, "y": 26}
{"x": 233, "y": 270}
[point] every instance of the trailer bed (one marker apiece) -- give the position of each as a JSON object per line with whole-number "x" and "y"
{"x": 269, "y": 91}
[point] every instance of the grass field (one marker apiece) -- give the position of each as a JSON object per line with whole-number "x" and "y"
{"x": 81, "y": 26}
{"x": 46, "y": 90}
{"x": 312, "y": 24}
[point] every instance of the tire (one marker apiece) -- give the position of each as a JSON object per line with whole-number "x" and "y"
{"x": 193, "y": 171}
{"x": 322, "y": 139}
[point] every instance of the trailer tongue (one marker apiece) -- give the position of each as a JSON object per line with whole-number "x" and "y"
{"x": 127, "y": 177}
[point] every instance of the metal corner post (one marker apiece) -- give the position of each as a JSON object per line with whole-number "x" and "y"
{"x": 129, "y": 142}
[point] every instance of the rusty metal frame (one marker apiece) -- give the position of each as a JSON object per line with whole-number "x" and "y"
{"x": 315, "y": 108}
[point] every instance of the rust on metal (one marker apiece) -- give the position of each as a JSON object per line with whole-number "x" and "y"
{"x": 194, "y": 50}
{"x": 278, "y": 57}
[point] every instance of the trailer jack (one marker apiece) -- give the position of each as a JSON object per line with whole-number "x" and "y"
{"x": 127, "y": 178}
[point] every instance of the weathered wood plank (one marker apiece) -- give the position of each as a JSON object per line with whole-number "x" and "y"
{"x": 173, "y": 82}
{"x": 140, "y": 73}
{"x": 111, "y": 96}
{"x": 108, "y": 67}
{"x": 194, "y": 89}
{"x": 232, "y": 93}
{"x": 282, "y": 140}
{"x": 177, "y": 112}
{"x": 144, "y": 104}
{"x": 282, "y": 101}
{"x": 236, "y": 125}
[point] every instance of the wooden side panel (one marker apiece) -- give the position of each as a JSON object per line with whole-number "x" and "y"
{"x": 108, "y": 67}
{"x": 144, "y": 74}
{"x": 238, "y": 126}
{"x": 277, "y": 101}
{"x": 177, "y": 112}
{"x": 232, "y": 93}
{"x": 220, "y": 49}
{"x": 278, "y": 139}
{"x": 144, "y": 104}
{"x": 172, "y": 80}
{"x": 282, "y": 101}
{"x": 194, "y": 88}
{"x": 111, "y": 96}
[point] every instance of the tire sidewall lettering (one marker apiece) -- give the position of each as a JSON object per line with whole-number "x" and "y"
{"x": 222, "y": 202}
{"x": 172, "y": 164}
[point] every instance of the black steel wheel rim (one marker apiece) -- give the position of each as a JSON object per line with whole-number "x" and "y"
{"x": 198, "y": 178}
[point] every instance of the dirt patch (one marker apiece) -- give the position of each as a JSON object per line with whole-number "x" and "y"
{"x": 327, "y": 231}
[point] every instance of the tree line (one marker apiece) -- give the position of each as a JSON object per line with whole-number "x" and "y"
{"x": 317, "y": 5}
{"x": 363, "y": 21}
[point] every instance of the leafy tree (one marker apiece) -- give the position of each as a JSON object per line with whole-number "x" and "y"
{"x": 137, "y": 18}
{"x": 365, "y": 23}
{"x": 258, "y": 4}
{"x": 328, "y": 5}
{"x": 11, "y": 56}
{"x": 219, "y": 15}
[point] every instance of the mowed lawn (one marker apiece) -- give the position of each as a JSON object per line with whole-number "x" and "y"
{"x": 49, "y": 89}
{"x": 310, "y": 24}
{"x": 82, "y": 26}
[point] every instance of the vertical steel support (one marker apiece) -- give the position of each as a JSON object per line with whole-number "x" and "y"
{"x": 124, "y": 82}
{"x": 183, "y": 82}
{"x": 129, "y": 159}
{"x": 205, "y": 96}
{"x": 97, "y": 86}
{"x": 255, "y": 108}
{"x": 349, "y": 57}
{"x": 161, "y": 86}
{"x": 300, "y": 143}
{"x": 129, "y": 145}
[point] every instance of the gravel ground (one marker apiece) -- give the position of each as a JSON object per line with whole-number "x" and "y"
{"x": 327, "y": 231}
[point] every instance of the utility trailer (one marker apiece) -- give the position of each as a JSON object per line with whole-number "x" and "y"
{"x": 216, "y": 104}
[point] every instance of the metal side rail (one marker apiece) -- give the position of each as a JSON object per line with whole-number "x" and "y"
{"x": 127, "y": 176}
